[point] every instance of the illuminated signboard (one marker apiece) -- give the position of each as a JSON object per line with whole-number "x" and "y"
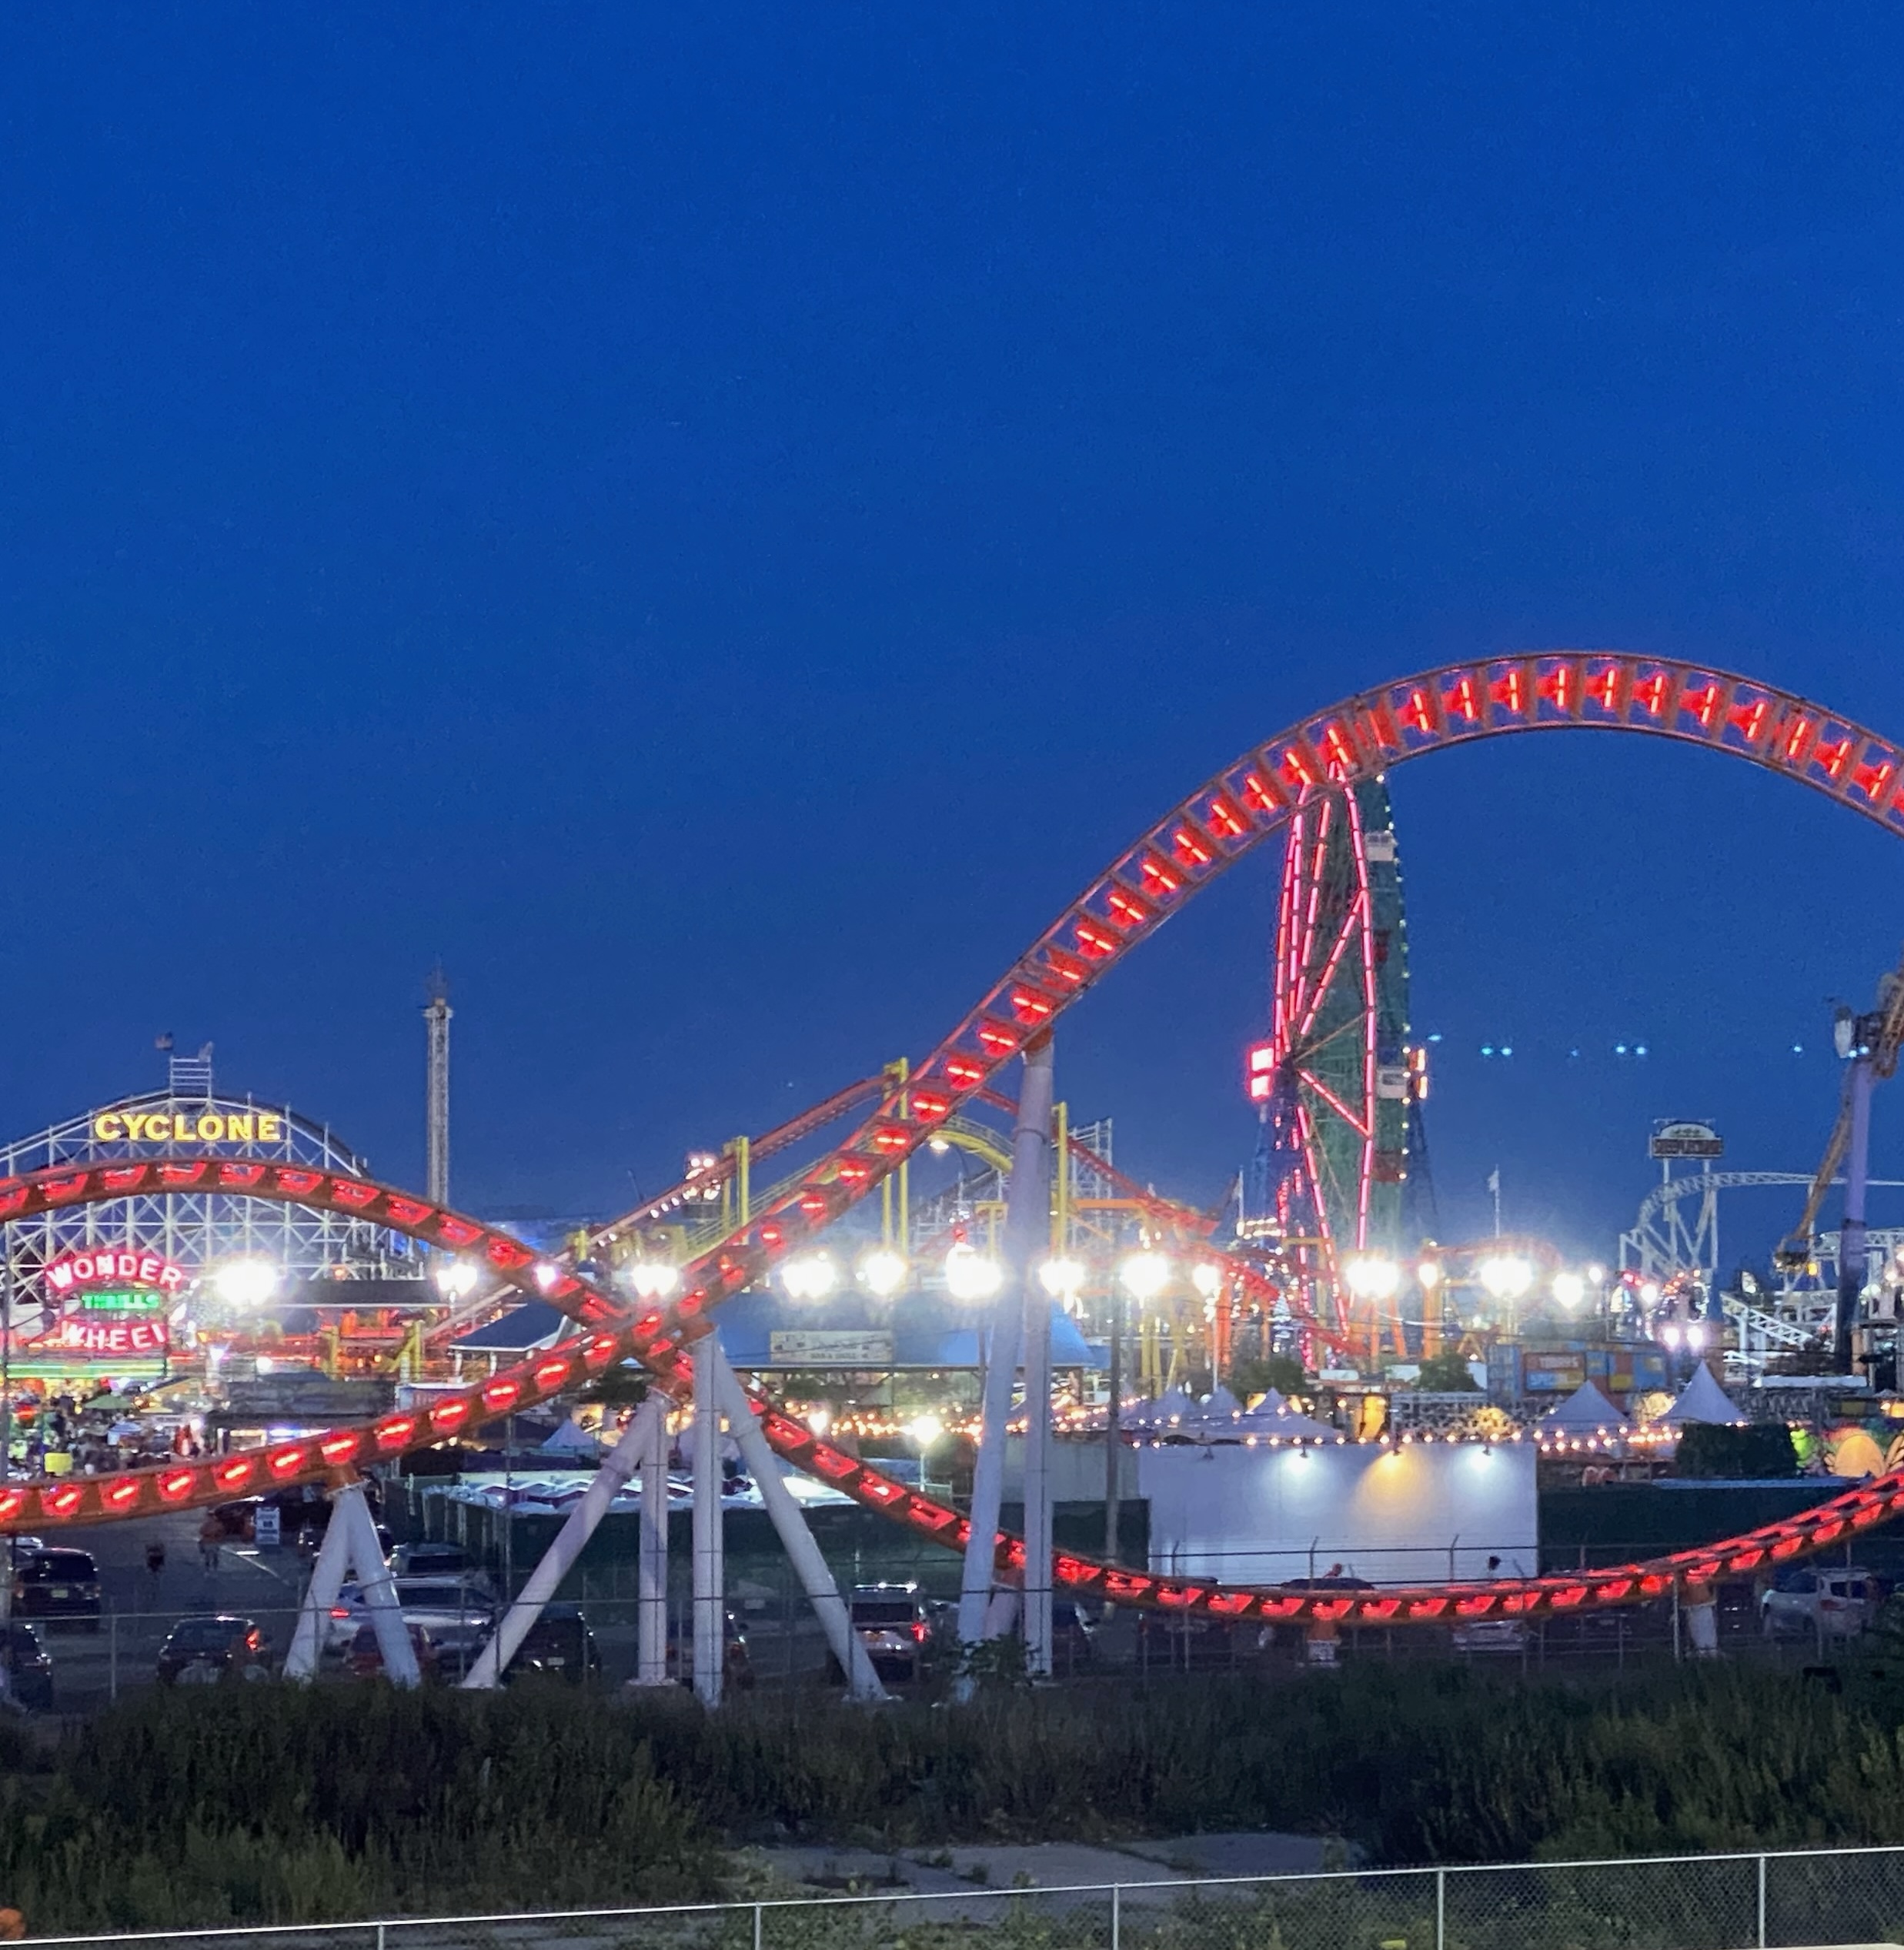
{"x": 119, "y": 1267}
{"x": 181, "y": 1124}
{"x": 100, "y": 1346}
{"x": 99, "y": 1339}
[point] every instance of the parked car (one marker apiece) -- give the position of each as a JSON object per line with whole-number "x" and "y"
{"x": 58, "y": 1585}
{"x": 559, "y": 1645}
{"x": 1489, "y": 1635}
{"x": 200, "y": 1651}
{"x": 893, "y": 1625}
{"x": 739, "y": 1661}
{"x": 441, "y": 1561}
{"x": 29, "y": 1671}
{"x": 363, "y": 1657}
{"x": 1821, "y": 1600}
{"x": 457, "y": 1617}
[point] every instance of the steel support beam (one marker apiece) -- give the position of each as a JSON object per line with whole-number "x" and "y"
{"x": 651, "y": 1562}
{"x": 790, "y": 1523}
{"x": 710, "y": 1583}
{"x": 1027, "y": 1216}
{"x": 559, "y": 1559}
{"x": 351, "y": 1546}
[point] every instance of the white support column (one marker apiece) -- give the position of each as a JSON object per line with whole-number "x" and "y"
{"x": 790, "y": 1522}
{"x": 1028, "y": 1232}
{"x": 559, "y": 1560}
{"x": 651, "y": 1567}
{"x": 379, "y": 1588}
{"x": 350, "y": 1546}
{"x": 327, "y": 1578}
{"x": 710, "y": 1592}
{"x": 1028, "y": 1221}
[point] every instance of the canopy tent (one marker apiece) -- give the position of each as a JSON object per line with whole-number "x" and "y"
{"x": 1220, "y": 1401}
{"x": 572, "y": 1440}
{"x": 1702, "y": 1400}
{"x": 1172, "y": 1409}
{"x": 1587, "y": 1410}
{"x": 1287, "y": 1424}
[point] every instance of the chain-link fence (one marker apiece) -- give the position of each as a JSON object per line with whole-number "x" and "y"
{"x": 1824, "y": 1898}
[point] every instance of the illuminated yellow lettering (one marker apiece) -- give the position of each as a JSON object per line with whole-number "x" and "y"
{"x": 270, "y": 1129}
{"x": 157, "y": 1127}
{"x": 238, "y": 1126}
{"x": 110, "y": 1128}
{"x": 135, "y": 1123}
{"x": 211, "y": 1126}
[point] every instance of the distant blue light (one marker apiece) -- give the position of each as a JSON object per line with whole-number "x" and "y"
{"x": 1639, "y": 1049}
{"x": 1436, "y": 1037}
{"x": 1573, "y": 1053}
{"x": 1798, "y": 1049}
{"x": 1507, "y": 1048}
{"x": 1619, "y": 1048}
{"x": 1486, "y": 1049}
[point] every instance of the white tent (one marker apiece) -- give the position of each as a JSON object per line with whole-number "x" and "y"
{"x": 569, "y": 1440}
{"x": 1171, "y": 1410}
{"x": 1219, "y": 1401}
{"x": 1702, "y": 1400}
{"x": 1587, "y": 1410}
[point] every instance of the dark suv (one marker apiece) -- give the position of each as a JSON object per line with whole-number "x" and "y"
{"x": 58, "y": 1585}
{"x": 560, "y": 1645}
{"x": 200, "y": 1651}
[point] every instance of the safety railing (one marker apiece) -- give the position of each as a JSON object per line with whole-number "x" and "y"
{"x": 1763, "y": 1901}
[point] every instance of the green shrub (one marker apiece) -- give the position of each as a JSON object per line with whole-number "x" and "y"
{"x": 1759, "y": 1451}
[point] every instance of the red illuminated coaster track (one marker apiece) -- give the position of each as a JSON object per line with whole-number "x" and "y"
{"x": 1198, "y": 840}
{"x": 608, "y": 1337}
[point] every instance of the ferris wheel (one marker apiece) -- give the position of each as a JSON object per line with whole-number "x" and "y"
{"x": 1334, "y": 1078}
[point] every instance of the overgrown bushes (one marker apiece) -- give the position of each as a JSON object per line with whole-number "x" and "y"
{"x": 272, "y": 1804}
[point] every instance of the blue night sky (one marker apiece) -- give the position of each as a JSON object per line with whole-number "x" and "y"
{"x": 715, "y": 521}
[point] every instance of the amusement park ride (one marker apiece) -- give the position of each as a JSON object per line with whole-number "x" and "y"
{"x": 1337, "y": 1100}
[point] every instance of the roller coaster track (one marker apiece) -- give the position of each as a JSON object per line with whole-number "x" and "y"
{"x": 1196, "y": 842}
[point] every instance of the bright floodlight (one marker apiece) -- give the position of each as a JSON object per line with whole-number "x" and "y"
{"x": 1649, "y": 1293}
{"x": 971, "y": 1274}
{"x": 1506, "y": 1276}
{"x": 1370, "y": 1277}
{"x": 245, "y": 1283}
{"x": 1669, "y": 1334}
{"x": 882, "y": 1272}
{"x": 1596, "y": 1276}
{"x": 455, "y": 1279}
{"x": 1144, "y": 1275}
{"x": 1696, "y": 1335}
{"x": 1427, "y": 1275}
{"x": 1569, "y": 1289}
{"x": 653, "y": 1279}
{"x": 926, "y": 1432}
{"x": 1206, "y": 1278}
{"x": 1061, "y": 1277}
{"x": 811, "y": 1276}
